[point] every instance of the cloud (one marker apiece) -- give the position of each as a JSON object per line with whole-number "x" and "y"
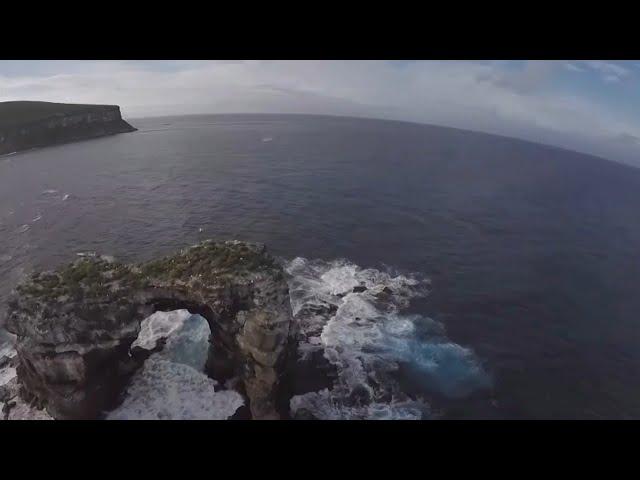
{"x": 611, "y": 78}
{"x": 607, "y": 67}
{"x": 514, "y": 99}
{"x": 609, "y": 72}
{"x": 625, "y": 138}
{"x": 573, "y": 67}
{"x": 533, "y": 76}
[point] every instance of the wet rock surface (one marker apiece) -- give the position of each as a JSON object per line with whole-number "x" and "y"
{"x": 75, "y": 325}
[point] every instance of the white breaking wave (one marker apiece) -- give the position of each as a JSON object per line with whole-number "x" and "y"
{"x": 353, "y": 316}
{"x": 7, "y": 349}
{"x": 157, "y": 326}
{"x": 8, "y": 381}
{"x": 186, "y": 335}
{"x": 20, "y": 410}
{"x": 171, "y": 384}
{"x": 6, "y": 375}
{"x": 166, "y": 390}
{"x": 326, "y": 406}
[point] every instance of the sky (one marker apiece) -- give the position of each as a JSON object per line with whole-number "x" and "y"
{"x": 588, "y": 106}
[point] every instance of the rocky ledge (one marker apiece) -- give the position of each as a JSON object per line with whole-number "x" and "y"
{"x": 75, "y": 325}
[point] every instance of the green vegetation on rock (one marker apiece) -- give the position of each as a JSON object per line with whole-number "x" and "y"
{"x": 202, "y": 266}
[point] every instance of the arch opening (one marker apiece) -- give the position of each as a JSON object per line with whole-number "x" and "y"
{"x": 222, "y": 363}
{"x": 172, "y": 383}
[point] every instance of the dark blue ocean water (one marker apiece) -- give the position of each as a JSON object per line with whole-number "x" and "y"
{"x": 532, "y": 251}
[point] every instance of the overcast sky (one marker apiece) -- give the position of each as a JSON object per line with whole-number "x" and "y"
{"x": 589, "y": 106}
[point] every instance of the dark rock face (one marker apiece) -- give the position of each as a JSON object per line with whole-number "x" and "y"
{"x": 75, "y": 325}
{"x": 46, "y": 124}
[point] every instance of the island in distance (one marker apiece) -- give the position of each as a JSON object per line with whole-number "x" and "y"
{"x": 25, "y": 125}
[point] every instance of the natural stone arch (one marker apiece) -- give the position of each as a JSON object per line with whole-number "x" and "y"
{"x": 75, "y": 325}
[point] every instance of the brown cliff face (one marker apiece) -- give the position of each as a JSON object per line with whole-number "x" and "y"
{"x": 26, "y": 125}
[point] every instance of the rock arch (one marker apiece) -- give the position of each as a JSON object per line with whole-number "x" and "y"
{"x": 75, "y": 325}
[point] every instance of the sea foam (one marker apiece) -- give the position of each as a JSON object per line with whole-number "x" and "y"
{"x": 172, "y": 384}
{"x": 354, "y": 316}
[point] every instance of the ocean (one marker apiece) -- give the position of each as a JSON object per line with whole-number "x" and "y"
{"x": 515, "y": 266}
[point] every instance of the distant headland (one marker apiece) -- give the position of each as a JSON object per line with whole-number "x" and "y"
{"x": 25, "y": 125}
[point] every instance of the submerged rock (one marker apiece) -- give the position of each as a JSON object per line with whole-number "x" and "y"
{"x": 75, "y": 325}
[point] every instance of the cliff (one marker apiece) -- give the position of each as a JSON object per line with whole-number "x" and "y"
{"x": 76, "y": 326}
{"x": 25, "y": 125}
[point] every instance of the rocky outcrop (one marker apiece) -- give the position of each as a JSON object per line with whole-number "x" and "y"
{"x": 75, "y": 325}
{"x": 25, "y": 125}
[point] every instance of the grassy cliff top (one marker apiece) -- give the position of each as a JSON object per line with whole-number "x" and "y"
{"x": 20, "y": 113}
{"x": 202, "y": 266}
